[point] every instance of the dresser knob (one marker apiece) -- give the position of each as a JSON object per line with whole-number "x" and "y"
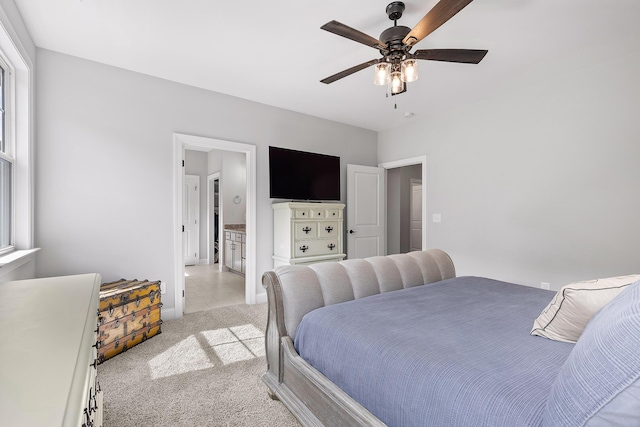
{"x": 306, "y": 230}
{"x": 304, "y": 248}
{"x": 331, "y": 246}
{"x": 329, "y": 229}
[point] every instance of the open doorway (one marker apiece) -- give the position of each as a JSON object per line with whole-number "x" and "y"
{"x": 405, "y": 205}
{"x": 207, "y": 284}
{"x": 214, "y": 226}
{"x": 400, "y": 224}
{"x": 247, "y": 154}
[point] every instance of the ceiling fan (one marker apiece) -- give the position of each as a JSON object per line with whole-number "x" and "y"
{"x": 398, "y": 65}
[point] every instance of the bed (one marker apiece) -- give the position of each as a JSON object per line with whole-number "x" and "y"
{"x": 401, "y": 341}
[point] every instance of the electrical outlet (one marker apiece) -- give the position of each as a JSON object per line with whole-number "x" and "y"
{"x": 163, "y": 288}
{"x": 545, "y": 285}
{"x": 437, "y": 218}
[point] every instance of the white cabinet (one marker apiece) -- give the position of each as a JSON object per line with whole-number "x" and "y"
{"x": 307, "y": 233}
{"x": 234, "y": 250}
{"x": 48, "y": 360}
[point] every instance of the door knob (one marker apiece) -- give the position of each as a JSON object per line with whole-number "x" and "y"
{"x": 351, "y": 231}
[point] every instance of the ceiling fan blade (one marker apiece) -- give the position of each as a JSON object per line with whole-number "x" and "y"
{"x": 340, "y": 29}
{"x": 438, "y": 15}
{"x": 349, "y": 71}
{"x": 466, "y": 56}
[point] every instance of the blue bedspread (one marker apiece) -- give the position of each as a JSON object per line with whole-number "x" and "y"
{"x": 452, "y": 353}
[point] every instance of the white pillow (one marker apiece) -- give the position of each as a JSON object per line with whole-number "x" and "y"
{"x": 568, "y": 313}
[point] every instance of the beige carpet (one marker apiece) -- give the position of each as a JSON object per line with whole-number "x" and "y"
{"x": 202, "y": 370}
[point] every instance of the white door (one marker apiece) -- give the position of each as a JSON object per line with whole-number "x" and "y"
{"x": 191, "y": 219}
{"x": 365, "y": 211}
{"x": 415, "y": 220}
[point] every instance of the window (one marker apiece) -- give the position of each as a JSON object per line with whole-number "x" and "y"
{"x": 6, "y": 168}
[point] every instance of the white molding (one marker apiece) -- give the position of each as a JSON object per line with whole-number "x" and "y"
{"x": 403, "y": 162}
{"x": 261, "y": 298}
{"x": 419, "y": 160}
{"x": 178, "y": 262}
{"x": 168, "y": 313}
{"x": 207, "y": 144}
{"x": 23, "y": 95}
{"x": 15, "y": 259}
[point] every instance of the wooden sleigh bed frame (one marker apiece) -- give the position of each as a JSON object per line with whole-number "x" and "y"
{"x": 294, "y": 291}
{"x": 466, "y": 356}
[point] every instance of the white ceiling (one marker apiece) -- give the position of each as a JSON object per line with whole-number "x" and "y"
{"x": 274, "y": 52}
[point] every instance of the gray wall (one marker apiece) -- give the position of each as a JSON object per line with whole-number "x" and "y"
{"x": 541, "y": 182}
{"x": 104, "y": 166}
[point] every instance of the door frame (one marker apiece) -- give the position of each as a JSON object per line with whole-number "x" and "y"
{"x": 419, "y": 160}
{"x": 180, "y": 141}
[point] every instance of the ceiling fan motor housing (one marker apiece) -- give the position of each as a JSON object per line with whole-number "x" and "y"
{"x": 393, "y": 37}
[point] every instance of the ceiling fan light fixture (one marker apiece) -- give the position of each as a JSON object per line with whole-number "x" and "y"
{"x": 409, "y": 70}
{"x": 397, "y": 85}
{"x": 382, "y": 74}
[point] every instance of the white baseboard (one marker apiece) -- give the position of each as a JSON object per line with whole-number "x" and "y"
{"x": 168, "y": 313}
{"x": 203, "y": 261}
{"x": 261, "y": 297}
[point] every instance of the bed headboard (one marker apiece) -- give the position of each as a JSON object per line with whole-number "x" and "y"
{"x": 294, "y": 291}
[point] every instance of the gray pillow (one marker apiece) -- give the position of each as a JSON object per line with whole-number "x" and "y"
{"x": 599, "y": 383}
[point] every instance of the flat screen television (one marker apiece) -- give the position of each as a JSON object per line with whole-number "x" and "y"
{"x": 299, "y": 175}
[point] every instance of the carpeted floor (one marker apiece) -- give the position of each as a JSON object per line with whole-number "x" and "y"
{"x": 202, "y": 370}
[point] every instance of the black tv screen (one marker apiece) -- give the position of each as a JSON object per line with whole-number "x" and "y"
{"x": 298, "y": 175}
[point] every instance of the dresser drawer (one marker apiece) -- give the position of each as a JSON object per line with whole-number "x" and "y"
{"x": 305, "y": 230}
{"x": 328, "y": 229}
{"x": 317, "y": 213}
{"x": 301, "y": 213}
{"x": 306, "y": 248}
{"x": 333, "y": 213}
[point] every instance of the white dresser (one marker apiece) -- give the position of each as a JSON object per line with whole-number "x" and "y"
{"x": 47, "y": 352}
{"x": 307, "y": 233}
